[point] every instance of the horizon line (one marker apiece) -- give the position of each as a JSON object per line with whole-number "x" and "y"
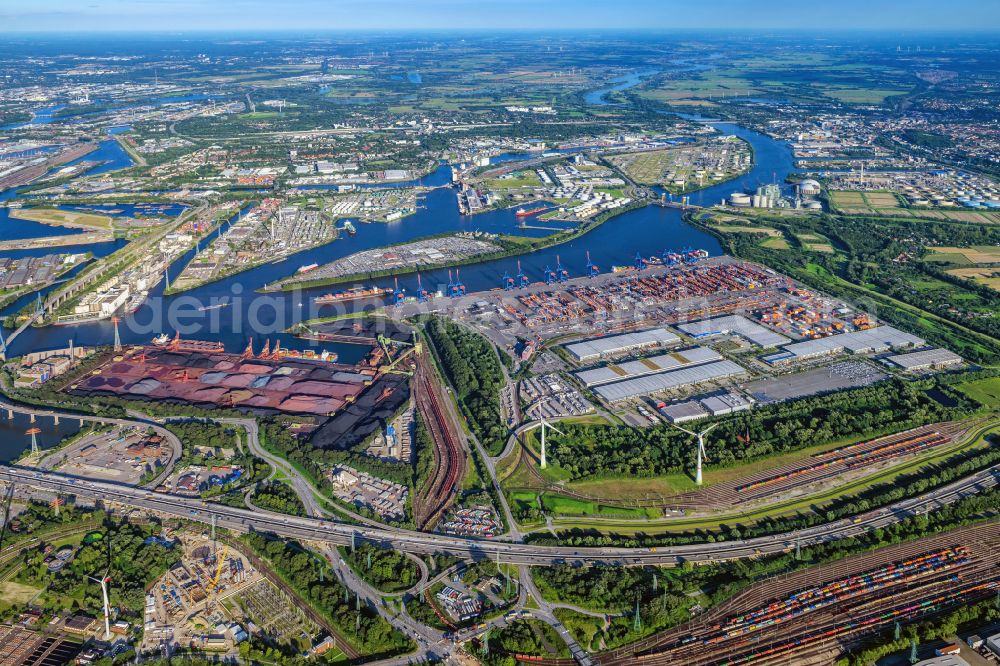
{"x": 508, "y": 30}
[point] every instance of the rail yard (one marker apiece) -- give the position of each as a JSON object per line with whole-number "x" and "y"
{"x": 793, "y": 616}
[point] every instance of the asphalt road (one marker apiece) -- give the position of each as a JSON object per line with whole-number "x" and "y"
{"x": 477, "y": 549}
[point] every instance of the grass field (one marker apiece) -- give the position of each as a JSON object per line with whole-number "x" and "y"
{"x": 517, "y": 179}
{"x": 985, "y": 391}
{"x": 815, "y": 242}
{"x": 775, "y": 243}
{"x": 560, "y": 504}
{"x": 16, "y": 593}
{"x": 741, "y": 229}
{"x": 63, "y": 218}
{"x": 803, "y": 504}
{"x": 855, "y": 95}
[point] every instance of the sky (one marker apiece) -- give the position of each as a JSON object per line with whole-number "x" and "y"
{"x": 476, "y": 15}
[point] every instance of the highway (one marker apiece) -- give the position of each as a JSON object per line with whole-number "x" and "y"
{"x": 516, "y": 553}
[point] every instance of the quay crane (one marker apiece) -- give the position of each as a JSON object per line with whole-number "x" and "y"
{"x": 640, "y": 263}
{"x": 421, "y": 292}
{"x": 592, "y": 269}
{"x": 561, "y": 272}
{"x": 398, "y": 295}
{"x": 550, "y": 275}
{"x": 522, "y": 279}
{"x": 507, "y": 281}
{"x": 455, "y": 286}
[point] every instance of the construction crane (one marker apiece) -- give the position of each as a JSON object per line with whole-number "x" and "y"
{"x": 218, "y": 569}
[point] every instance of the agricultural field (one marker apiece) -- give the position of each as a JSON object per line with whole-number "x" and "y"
{"x": 882, "y": 199}
{"x": 815, "y": 243}
{"x": 979, "y": 254}
{"x": 854, "y": 202}
{"x": 988, "y": 277}
{"x": 794, "y": 76}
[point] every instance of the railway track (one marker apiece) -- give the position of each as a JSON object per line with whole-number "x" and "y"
{"x": 982, "y": 542}
{"x": 447, "y": 450}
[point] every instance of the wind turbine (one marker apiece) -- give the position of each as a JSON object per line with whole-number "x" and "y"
{"x": 701, "y": 447}
{"x": 103, "y": 580}
{"x": 543, "y": 424}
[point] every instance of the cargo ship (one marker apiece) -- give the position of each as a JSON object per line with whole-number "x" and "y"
{"x": 310, "y": 355}
{"x": 176, "y": 344}
{"x": 307, "y": 268}
{"x": 354, "y": 294}
{"x": 521, "y": 212}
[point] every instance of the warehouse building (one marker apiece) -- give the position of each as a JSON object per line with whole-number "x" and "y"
{"x": 944, "y": 660}
{"x": 726, "y": 403}
{"x": 665, "y": 381}
{"x": 734, "y": 325}
{"x": 868, "y": 341}
{"x": 615, "y": 345}
{"x": 648, "y": 366}
{"x": 927, "y": 359}
{"x": 681, "y": 412}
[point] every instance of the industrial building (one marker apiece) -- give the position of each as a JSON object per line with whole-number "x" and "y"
{"x": 734, "y": 325}
{"x": 868, "y": 341}
{"x": 726, "y": 403}
{"x": 681, "y": 412}
{"x": 665, "y": 381}
{"x": 927, "y": 359}
{"x": 614, "y": 345}
{"x": 943, "y": 660}
{"x": 717, "y": 404}
{"x": 648, "y": 366}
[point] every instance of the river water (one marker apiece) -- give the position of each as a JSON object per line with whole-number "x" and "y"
{"x": 648, "y": 230}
